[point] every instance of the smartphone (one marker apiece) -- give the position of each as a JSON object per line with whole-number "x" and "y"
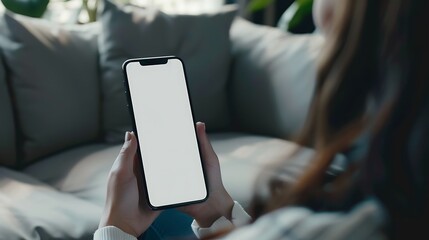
{"x": 161, "y": 110}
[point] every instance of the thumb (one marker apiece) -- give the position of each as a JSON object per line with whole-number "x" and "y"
{"x": 125, "y": 161}
{"x": 129, "y": 148}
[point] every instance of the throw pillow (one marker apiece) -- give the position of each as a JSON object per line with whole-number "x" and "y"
{"x": 202, "y": 41}
{"x": 53, "y": 74}
{"x": 273, "y": 78}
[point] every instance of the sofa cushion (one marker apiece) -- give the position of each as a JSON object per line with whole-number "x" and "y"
{"x": 273, "y": 78}
{"x": 53, "y": 74}
{"x": 202, "y": 41}
{"x": 7, "y": 124}
{"x": 247, "y": 160}
{"x": 83, "y": 171}
{"x": 31, "y": 210}
{"x": 245, "y": 157}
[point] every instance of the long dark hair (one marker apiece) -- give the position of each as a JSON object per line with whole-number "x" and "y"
{"x": 373, "y": 79}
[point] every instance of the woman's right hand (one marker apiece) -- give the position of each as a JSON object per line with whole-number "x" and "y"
{"x": 124, "y": 207}
{"x": 219, "y": 202}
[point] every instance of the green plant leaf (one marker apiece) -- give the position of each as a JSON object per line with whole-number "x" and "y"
{"x": 303, "y": 10}
{"x": 257, "y": 5}
{"x": 32, "y": 8}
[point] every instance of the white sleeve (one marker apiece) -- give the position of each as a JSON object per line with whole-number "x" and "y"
{"x": 239, "y": 217}
{"x": 112, "y": 233}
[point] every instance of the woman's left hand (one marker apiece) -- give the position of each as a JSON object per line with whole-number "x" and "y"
{"x": 125, "y": 207}
{"x": 219, "y": 202}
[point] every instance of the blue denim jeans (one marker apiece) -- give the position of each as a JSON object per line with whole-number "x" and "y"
{"x": 171, "y": 224}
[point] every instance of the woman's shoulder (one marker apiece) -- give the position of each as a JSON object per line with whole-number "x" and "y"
{"x": 364, "y": 221}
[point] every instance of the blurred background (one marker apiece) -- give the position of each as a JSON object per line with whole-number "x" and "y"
{"x": 289, "y": 15}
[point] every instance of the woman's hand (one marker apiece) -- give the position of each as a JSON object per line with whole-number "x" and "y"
{"x": 125, "y": 208}
{"x": 219, "y": 202}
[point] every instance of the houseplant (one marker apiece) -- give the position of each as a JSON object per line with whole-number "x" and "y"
{"x": 297, "y": 18}
{"x": 37, "y": 8}
{"x": 31, "y": 8}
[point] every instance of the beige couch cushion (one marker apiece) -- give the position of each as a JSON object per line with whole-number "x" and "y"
{"x": 7, "y": 124}
{"x": 30, "y": 209}
{"x": 202, "y": 41}
{"x": 273, "y": 78}
{"x": 53, "y": 74}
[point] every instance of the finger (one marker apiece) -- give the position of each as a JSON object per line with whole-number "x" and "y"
{"x": 124, "y": 163}
{"x": 141, "y": 185}
{"x": 129, "y": 147}
{"x": 206, "y": 147}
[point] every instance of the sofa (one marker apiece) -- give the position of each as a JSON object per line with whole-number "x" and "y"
{"x": 63, "y": 107}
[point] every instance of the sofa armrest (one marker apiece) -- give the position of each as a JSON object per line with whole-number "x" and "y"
{"x": 32, "y": 210}
{"x": 272, "y": 78}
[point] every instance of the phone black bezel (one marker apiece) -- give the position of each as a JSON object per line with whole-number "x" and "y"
{"x": 156, "y": 61}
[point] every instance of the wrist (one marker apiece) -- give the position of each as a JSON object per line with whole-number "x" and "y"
{"x": 119, "y": 221}
{"x": 214, "y": 209}
{"x": 118, "y": 225}
{"x": 111, "y": 232}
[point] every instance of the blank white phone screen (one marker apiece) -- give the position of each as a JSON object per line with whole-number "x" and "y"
{"x": 167, "y": 139}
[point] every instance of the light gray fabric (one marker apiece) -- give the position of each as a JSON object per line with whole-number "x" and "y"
{"x": 273, "y": 78}
{"x": 202, "y": 41}
{"x": 245, "y": 157}
{"x": 81, "y": 172}
{"x": 30, "y": 209}
{"x": 248, "y": 160}
{"x": 7, "y": 124}
{"x": 54, "y": 79}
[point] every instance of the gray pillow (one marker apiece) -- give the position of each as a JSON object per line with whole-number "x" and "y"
{"x": 7, "y": 125}
{"x": 202, "y": 41}
{"x": 54, "y": 80}
{"x": 273, "y": 78}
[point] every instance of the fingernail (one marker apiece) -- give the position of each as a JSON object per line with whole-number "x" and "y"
{"x": 127, "y": 136}
{"x": 204, "y": 126}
